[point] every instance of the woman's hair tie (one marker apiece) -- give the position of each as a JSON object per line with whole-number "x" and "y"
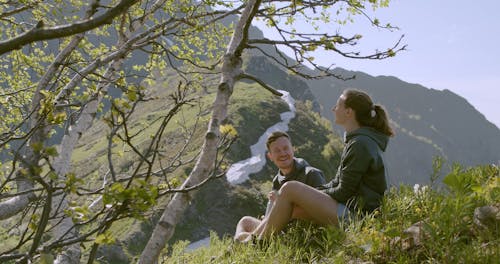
{"x": 373, "y": 112}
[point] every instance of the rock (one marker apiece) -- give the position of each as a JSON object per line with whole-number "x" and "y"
{"x": 413, "y": 237}
{"x": 487, "y": 219}
{"x": 415, "y": 234}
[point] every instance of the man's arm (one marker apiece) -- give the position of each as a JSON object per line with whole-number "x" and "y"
{"x": 271, "y": 196}
{"x": 315, "y": 177}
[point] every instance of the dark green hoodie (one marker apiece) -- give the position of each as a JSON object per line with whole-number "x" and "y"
{"x": 360, "y": 181}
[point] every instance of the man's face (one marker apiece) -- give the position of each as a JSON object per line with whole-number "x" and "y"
{"x": 281, "y": 153}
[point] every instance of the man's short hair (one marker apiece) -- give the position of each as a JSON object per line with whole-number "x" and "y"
{"x": 274, "y": 136}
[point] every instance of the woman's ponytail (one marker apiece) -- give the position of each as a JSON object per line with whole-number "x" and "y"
{"x": 367, "y": 113}
{"x": 381, "y": 121}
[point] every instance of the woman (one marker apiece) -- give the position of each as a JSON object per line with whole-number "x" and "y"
{"x": 360, "y": 182}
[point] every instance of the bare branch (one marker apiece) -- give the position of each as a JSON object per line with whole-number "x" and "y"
{"x": 260, "y": 82}
{"x": 38, "y": 33}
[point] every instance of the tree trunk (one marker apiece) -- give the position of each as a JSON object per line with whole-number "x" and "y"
{"x": 231, "y": 72}
{"x": 62, "y": 164}
{"x": 66, "y": 229}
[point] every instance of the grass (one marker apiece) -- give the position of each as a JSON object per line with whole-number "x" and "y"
{"x": 449, "y": 234}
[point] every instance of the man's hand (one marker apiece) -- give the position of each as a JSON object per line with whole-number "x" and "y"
{"x": 272, "y": 196}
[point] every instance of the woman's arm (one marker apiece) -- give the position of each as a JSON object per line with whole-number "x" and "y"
{"x": 354, "y": 165}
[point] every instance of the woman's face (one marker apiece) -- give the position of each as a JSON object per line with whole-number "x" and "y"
{"x": 341, "y": 113}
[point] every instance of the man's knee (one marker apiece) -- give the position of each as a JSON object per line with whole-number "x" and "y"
{"x": 248, "y": 222}
{"x": 289, "y": 188}
{"x": 244, "y": 219}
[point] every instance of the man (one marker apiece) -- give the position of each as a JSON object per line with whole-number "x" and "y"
{"x": 280, "y": 152}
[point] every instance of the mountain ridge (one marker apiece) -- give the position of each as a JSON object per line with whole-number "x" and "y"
{"x": 429, "y": 123}
{"x": 450, "y": 126}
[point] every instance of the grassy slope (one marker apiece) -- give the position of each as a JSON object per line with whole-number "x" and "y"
{"x": 450, "y": 236}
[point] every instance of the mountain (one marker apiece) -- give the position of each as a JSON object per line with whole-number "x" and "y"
{"x": 428, "y": 123}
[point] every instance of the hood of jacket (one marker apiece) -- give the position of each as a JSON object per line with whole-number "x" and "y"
{"x": 379, "y": 138}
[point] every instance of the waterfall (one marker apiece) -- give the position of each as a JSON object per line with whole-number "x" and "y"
{"x": 239, "y": 172}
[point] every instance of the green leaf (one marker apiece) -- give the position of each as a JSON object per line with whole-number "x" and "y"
{"x": 46, "y": 258}
{"x": 105, "y": 238}
{"x": 451, "y": 180}
{"x": 116, "y": 187}
{"x": 37, "y": 146}
{"x": 51, "y": 151}
{"x": 132, "y": 95}
{"x": 52, "y": 175}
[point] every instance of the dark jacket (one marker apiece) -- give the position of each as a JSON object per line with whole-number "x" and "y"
{"x": 302, "y": 172}
{"x": 360, "y": 181}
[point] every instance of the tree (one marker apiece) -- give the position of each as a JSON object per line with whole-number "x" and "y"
{"x": 86, "y": 71}
{"x": 63, "y": 91}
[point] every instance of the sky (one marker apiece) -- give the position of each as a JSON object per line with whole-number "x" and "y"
{"x": 451, "y": 44}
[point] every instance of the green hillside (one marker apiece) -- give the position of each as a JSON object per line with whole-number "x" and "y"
{"x": 218, "y": 205}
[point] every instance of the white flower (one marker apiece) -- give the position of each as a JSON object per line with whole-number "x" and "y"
{"x": 416, "y": 188}
{"x": 420, "y": 190}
